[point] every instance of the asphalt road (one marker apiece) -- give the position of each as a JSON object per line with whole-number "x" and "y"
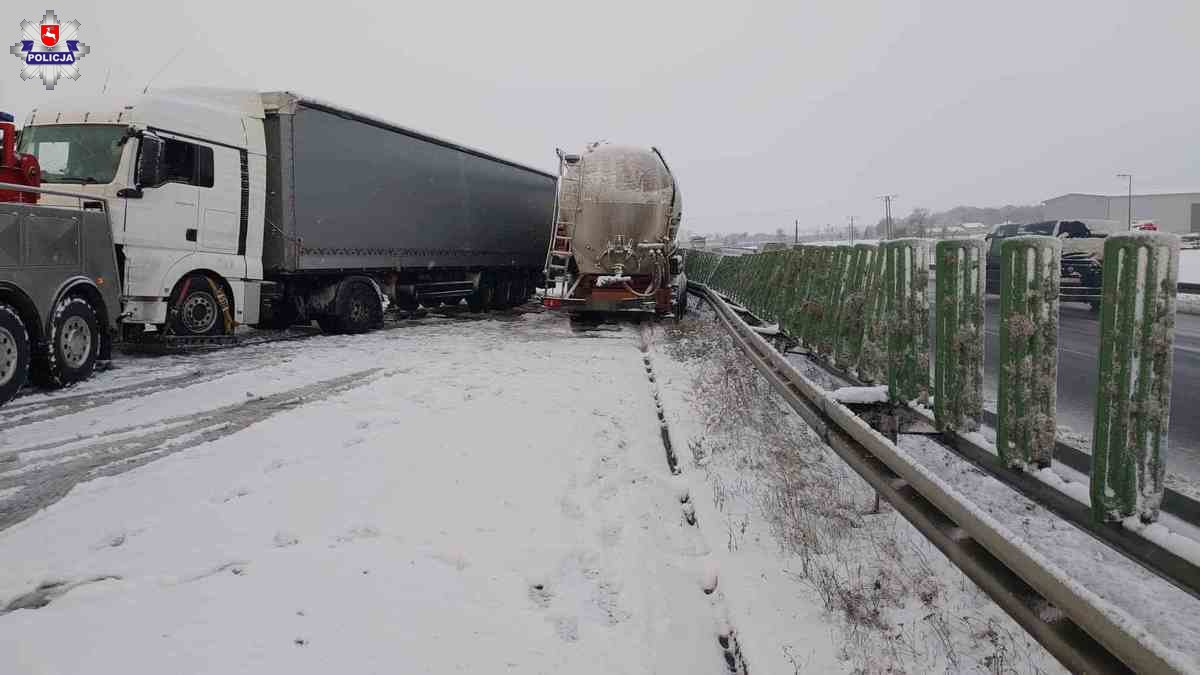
{"x": 1078, "y": 348}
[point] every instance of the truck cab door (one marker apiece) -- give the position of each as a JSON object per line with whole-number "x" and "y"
{"x": 221, "y": 203}
{"x": 166, "y": 216}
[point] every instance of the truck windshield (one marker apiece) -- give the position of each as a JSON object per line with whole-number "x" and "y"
{"x": 75, "y": 153}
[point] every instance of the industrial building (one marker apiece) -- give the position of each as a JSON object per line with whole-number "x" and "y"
{"x": 1177, "y": 212}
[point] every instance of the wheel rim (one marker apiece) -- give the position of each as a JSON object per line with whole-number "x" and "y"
{"x": 8, "y": 356}
{"x": 199, "y": 313}
{"x": 358, "y": 311}
{"x": 75, "y": 341}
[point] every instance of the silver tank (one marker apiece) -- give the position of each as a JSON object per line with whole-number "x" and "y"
{"x": 626, "y": 209}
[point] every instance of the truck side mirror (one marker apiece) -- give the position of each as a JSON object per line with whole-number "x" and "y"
{"x": 150, "y": 169}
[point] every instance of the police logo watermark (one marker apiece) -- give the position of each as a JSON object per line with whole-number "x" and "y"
{"x": 50, "y": 50}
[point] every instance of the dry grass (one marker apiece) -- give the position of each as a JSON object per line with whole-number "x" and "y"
{"x": 902, "y": 607}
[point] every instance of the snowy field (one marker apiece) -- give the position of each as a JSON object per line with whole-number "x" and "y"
{"x": 474, "y": 496}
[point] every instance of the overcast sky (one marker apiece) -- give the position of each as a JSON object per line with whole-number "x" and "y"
{"x": 767, "y": 111}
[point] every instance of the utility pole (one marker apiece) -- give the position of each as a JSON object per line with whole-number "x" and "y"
{"x": 887, "y": 210}
{"x": 797, "y": 241}
{"x": 852, "y": 230}
{"x": 1129, "y": 213}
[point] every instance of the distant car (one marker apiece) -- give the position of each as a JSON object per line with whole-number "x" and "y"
{"x": 998, "y": 234}
{"x": 1146, "y": 226}
{"x": 1190, "y": 240}
{"x": 1082, "y": 254}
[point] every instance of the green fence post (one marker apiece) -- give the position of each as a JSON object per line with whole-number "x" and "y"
{"x": 872, "y": 361}
{"x": 854, "y": 307}
{"x": 1029, "y": 280}
{"x": 810, "y": 305}
{"x": 958, "y": 368}
{"x": 841, "y": 257}
{"x": 802, "y": 276}
{"x": 906, "y": 276}
{"x": 1133, "y": 399}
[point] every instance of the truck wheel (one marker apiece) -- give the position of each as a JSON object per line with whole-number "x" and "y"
{"x": 14, "y": 353}
{"x": 522, "y": 292}
{"x": 504, "y": 293}
{"x": 74, "y": 345}
{"x": 360, "y": 310}
{"x": 196, "y": 312}
{"x": 483, "y": 296}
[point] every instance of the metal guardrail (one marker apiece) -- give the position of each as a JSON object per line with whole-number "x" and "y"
{"x": 1093, "y": 637}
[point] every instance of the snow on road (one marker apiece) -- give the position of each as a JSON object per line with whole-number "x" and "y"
{"x": 453, "y": 496}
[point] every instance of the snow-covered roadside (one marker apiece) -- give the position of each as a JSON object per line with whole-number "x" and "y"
{"x": 799, "y": 550}
{"x": 1161, "y": 608}
{"x": 492, "y": 499}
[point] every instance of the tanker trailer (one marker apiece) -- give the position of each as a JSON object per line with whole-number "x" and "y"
{"x": 612, "y": 248}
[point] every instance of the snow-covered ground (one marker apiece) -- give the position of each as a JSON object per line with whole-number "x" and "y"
{"x": 800, "y": 547}
{"x": 1149, "y": 600}
{"x": 473, "y": 496}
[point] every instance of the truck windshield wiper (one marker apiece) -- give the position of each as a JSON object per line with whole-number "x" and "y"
{"x": 82, "y": 180}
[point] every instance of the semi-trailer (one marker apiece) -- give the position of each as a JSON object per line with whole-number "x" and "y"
{"x": 612, "y": 248}
{"x": 233, "y": 207}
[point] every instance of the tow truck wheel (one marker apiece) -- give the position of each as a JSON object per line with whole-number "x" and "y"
{"x": 14, "y": 353}
{"x": 74, "y": 345}
{"x": 196, "y": 311}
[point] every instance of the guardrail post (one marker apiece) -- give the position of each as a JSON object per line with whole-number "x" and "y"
{"x": 1029, "y": 285}
{"x": 854, "y": 307}
{"x": 1133, "y": 399}
{"x": 906, "y": 284}
{"x": 958, "y": 369}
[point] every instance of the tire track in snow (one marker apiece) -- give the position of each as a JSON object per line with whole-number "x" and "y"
{"x": 731, "y": 650}
{"x": 41, "y": 486}
{"x": 59, "y": 406}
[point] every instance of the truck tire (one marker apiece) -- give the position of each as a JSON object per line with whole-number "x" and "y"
{"x": 358, "y": 309}
{"x": 503, "y": 294}
{"x": 14, "y": 353}
{"x": 484, "y": 294}
{"x": 522, "y": 291}
{"x": 197, "y": 311}
{"x": 74, "y": 345}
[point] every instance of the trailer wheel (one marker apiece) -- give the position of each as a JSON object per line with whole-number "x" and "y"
{"x": 522, "y": 292}
{"x": 14, "y": 353}
{"x": 197, "y": 311}
{"x": 505, "y": 292}
{"x": 74, "y": 345}
{"x": 484, "y": 294}
{"x": 359, "y": 310}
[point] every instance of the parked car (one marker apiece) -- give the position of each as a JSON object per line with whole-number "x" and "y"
{"x": 1082, "y": 254}
{"x": 998, "y": 234}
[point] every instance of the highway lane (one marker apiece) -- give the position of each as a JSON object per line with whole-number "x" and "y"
{"x": 1078, "y": 350}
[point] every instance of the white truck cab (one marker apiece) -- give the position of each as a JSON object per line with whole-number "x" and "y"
{"x": 183, "y": 172}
